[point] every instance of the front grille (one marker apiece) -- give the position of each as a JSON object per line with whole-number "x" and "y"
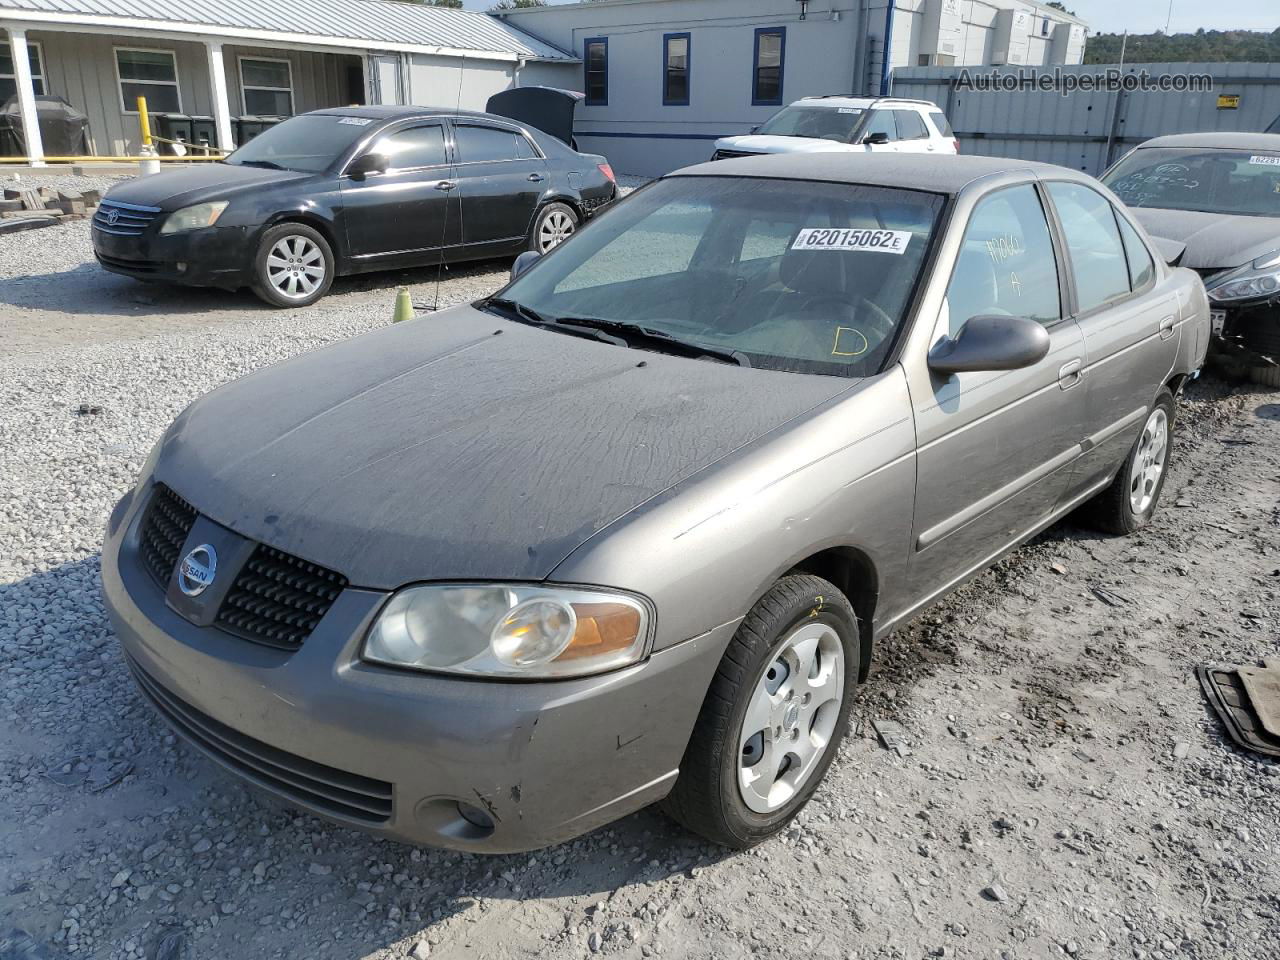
{"x": 129, "y": 266}
{"x": 122, "y": 219}
{"x": 732, "y": 154}
{"x": 277, "y": 599}
{"x": 164, "y": 529}
{"x": 322, "y": 788}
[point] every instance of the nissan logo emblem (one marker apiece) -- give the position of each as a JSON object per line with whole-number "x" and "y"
{"x": 197, "y": 570}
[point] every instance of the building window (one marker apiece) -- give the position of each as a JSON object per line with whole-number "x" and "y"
{"x": 148, "y": 73}
{"x": 8, "y": 81}
{"x": 770, "y": 57}
{"x": 595, "y": 64}
{"x": 1044, "y": 27}
{"x": 675, "y": 70}
{"x": 266, "y": 87}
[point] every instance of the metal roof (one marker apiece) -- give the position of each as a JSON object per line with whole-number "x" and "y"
{"x": 377, "y": 24}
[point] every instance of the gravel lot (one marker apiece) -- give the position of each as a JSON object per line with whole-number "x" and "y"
{"x": 1067, "y": 792}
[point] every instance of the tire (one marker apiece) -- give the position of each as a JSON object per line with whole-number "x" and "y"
{"x": 285, "y": 265}
{"x": 1129, "y": 503}
{"x": 554, "y": 224}
{"x": 710, "y": 797}
{"x": 1267, "y": 376}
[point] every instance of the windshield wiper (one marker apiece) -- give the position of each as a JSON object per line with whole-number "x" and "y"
{"x": 269, "y": 164}
{"x": 636, "y": 334}
{"x": 521, "y": 312}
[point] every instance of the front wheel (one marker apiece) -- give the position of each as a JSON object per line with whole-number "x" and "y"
{"x": 293, "y": 266}
{"x": 554, "y": 224}
{"x": 1129, "y": 503}
{"x": 774, "y": 716}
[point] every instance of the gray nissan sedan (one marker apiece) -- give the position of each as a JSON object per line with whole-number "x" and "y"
{"x": 628, "y": 530}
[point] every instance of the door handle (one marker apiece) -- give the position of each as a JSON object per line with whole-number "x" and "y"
{"x": 536, "y": 178}
{"x": 1070, "y": 373}
{"x": 1166, "y": 328}
{"x": 446, "y": 185}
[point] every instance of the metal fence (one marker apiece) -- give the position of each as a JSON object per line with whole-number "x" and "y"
{"x": 1089, "y": 129}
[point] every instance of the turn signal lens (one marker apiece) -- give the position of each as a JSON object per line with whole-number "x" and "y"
{"x": 511, "y": 630}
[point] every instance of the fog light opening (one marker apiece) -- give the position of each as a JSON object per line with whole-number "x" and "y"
{"x": 182, "y": 267}
{"x": 478, "y": 818}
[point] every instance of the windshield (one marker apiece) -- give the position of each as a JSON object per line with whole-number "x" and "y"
{"x": 822, "y": 123}
{"x": 1212, "y": 181}
{"x": 792, "y": 275}
{"x": 310, "y": 143}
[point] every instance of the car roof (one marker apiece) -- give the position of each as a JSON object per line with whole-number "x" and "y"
{"x": 839, "y": 100}
{"x": 405, "y": 113}
{"x": 935, "y": 174}
{"x": 1224, "y": 141}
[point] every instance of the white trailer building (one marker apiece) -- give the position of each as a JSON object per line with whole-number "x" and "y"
{"x": 665, "y": 78}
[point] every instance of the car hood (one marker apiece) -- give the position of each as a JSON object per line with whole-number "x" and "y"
{"x": 463, "y": 446}
{"x": 1213, "y": 240}
{"x": 759, "y": 143}
{"x": 212, "y": 181}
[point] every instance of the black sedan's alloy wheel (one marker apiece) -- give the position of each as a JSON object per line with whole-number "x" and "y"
{"x": 293, "y": 266}
{"x": 774, "y": 716}
{"x": 554, "y": 224}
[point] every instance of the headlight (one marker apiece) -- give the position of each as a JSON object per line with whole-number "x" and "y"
{"x": 1254, "y": 281}
{"x": 496, "y": 630}
{"x": 193, "y": 218}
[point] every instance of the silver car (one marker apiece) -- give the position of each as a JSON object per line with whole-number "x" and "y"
{"x": 629, "y": 530}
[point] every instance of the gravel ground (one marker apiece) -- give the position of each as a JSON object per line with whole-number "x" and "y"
{"x": 1066, "y": 792}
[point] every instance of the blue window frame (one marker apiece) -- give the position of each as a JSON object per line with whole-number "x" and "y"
{"x": 768, "y": 66}
{"x": 675, "y": 69}
{"x": 595, "y": 69}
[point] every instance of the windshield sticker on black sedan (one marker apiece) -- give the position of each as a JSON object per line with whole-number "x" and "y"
{"x": 356, "y": 121}
{"x": 868, "y": 241}
{"x": 1266, "y": 161}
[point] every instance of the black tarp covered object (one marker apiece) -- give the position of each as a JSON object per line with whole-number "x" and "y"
{"x": 64, "y": 130}
{"x": 545, "y": 108}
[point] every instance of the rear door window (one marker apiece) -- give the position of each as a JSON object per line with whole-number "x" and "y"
{"x": 1098, "y": 261}
{"x": 910, "y": 125}
{"x": 477, "y": 144}
{"x": 1006, "y": 264}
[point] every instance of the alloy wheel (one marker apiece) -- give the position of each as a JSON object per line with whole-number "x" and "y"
{"x": 556, "y": 227}
{"x": 295, "y": 267}
{"x": 1148, "y": 463}
{"x": 791, "y": 716}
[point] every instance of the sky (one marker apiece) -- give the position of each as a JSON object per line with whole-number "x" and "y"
{"x": 1144, "y": 16}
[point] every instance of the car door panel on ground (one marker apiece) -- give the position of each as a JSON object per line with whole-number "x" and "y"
{"x": 501, "y": 180}
{"x": 410, "y": 210}
{"x": 1129, "y": 320}
{"x": 995, "y": 449}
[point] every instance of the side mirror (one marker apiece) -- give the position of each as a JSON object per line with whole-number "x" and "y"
{"x": 755, "y": 129}
{"x": 877, "y": 138}
{"x": 524, "y": 262}
{"x": 991, "y": 343}
{"x": 368, "y": 163}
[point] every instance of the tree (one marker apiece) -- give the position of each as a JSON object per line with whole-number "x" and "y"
{"x": 518, "y": 4}
{"x": 1060, "y": 6}
{"x": 451, "y": 4}
{"x": 1211, "y": 46}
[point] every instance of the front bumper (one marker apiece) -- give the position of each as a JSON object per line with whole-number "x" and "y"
{"x": 209, "y": 257}
{"x": 1250, "y": 333}
{"x": 394, "y": 752}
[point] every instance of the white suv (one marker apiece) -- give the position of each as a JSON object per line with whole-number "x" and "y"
{"x": 849, "y": 124}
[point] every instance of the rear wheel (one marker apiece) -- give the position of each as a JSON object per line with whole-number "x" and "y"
{"x": 293, "y": 266}
{"x": 774, "y": 716}
{"x": 1129, "y": 503}
{"x": 555, "y": 223}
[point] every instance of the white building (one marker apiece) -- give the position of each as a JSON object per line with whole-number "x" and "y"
{"x": 226, "y": 59}
{"x": 665, "y": 78}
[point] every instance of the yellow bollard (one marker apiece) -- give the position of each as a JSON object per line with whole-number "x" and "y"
{"x": 404, "y": 306}
{"x": 144, "y": 121}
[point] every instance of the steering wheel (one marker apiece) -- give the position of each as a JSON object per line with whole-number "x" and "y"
{"x": 879, "y": 323}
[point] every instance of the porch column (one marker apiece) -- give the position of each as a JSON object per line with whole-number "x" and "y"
{"x": 26, "y": 96}
{"x": 218, "y": 87}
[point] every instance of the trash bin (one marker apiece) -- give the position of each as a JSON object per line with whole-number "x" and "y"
{"x": 173, "y": 126}
{"x": 204, "y": 132}
{"x": 248, "y": 127}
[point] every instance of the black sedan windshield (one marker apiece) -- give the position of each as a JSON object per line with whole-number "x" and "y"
{"x": 790, "y": 275}
{"x": 823, "y": 123}
{"x": 309, "y": 143}
{"x": 1212, "y": 181}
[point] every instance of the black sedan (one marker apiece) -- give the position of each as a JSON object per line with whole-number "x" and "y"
{"x": 351, "y": 190}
